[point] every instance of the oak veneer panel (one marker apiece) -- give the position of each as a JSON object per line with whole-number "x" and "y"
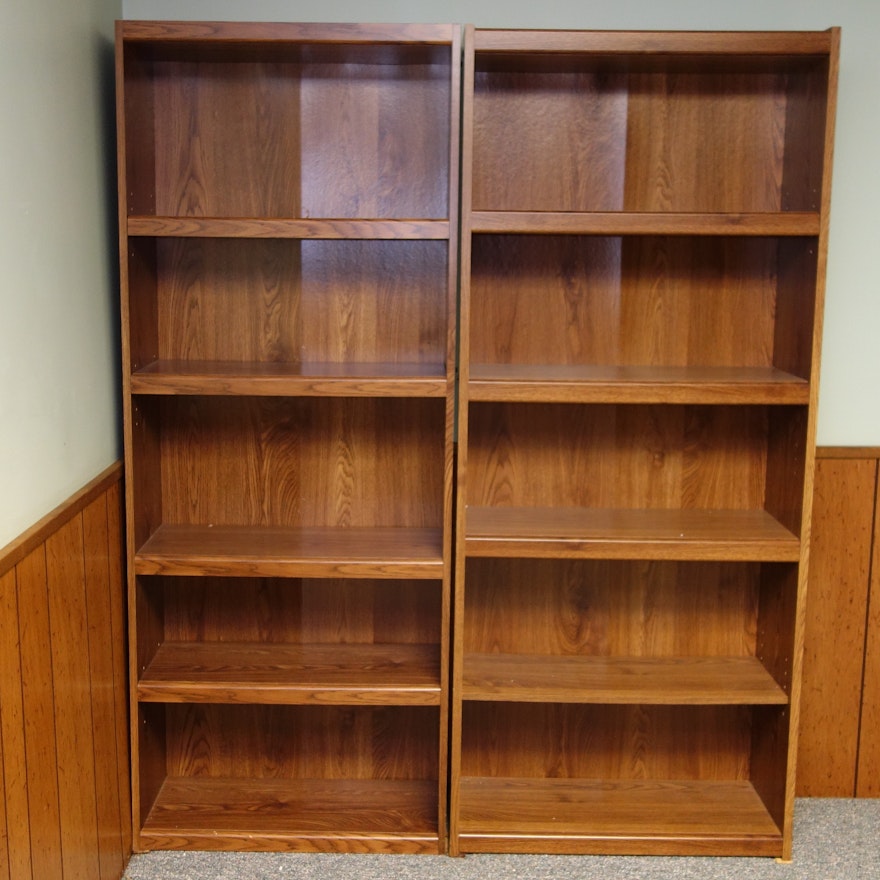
{"x": 834, "y": 636}
{"x": 344, "y": 611}
{"x": 287, "y": 552}
{"x": 585, "y": 815}
{"x": 868, "y": 768}
{"x": 254, "y": 672}
{"x": 675, "y": 681}
{"x": 12, "y": 734}
{"x": 665, "y": 119}
{"x": 611, "y": 609}
{"x": 300, "y": 815}
{"x": 65, "y": 568}
{"x": 329, "y": 135}
{"x": 253, "y": 103}
{"x": 705, "y": 142}
{"x": 617, "y": 456}
{"x": 304, "y": 462}
{"x": 611, "y": 742}
{"x": 735, "y": 535}
{"x": 285, "y": 303}
{"x": 653, "y": 301}
{"x": 559, "y": 159}
{"x": 299, "y": 742}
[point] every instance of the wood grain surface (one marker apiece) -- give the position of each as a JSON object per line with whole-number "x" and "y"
{"x": 834, "y": 638}
{"x": 63, "y": 726}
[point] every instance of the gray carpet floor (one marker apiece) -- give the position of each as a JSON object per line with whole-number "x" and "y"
{"x": 834, "y": 839}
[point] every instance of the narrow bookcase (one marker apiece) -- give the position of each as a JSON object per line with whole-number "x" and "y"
{"x": 644, "y": 235}
{"x": 288, "y": 223}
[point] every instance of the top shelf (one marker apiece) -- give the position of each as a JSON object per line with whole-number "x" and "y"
{"x": 688, "y": 133}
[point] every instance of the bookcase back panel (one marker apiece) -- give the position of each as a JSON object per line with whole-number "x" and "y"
{"x": 274, "y": 610}
{"x": 278, "y": 301}
{"x": 599, "y": 608}
{"x": 301, "y": 462}
{"x": 605, "y": 742}
{"x": 642, "y": 300}
{"x": 260, "y": 742}
{"x": 323, "y": 134}
{"x": 705, "y": 142}
{"x": 551, "y": 141}
{"x": 569, "y": 133}
{"x": 546, "y": 455}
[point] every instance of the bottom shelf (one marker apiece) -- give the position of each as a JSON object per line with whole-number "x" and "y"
{"x": 305, "y": 815}
{"x": 645, "y": 817}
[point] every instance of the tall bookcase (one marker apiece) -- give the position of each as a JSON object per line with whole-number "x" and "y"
{"x": 643, "y": 252}
{"x": 288, "y": 217}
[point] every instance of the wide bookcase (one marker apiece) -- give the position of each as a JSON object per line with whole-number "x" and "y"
{"x": 288, "y": 223}
{"x": 644, "y": 224}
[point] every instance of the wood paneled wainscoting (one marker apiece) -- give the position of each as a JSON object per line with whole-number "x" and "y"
{"x": 839, "y": 753}
{"x": 64, "y": 768}
{"x": 64, "y": 771}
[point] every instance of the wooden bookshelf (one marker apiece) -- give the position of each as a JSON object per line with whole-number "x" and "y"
{"x": 289, "y": 240}
{"x": 642, "y": 279}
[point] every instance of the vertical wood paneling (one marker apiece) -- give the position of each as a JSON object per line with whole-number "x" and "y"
{"x": 65, "y": 569}
{"x": 64, "y": 771}
{"x": 97, "y": 576}
{"x": 12, "y": 727}
{"x": 868, "y": 770}
{"x": 835, "y": 626}
{"x": 4, "y": 848}
{"x": 38, "y": 692}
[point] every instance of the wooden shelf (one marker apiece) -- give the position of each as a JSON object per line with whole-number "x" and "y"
{"x": 253, "y": 227}
{"x": 782, "y": 223}
{"x": 290, "y": 380}
{"x": 615, "y": 817}
{"x": 734, "y": 535}
{"x": 337, "y": 815}
{"x": 673, "y": 681}
{"x": 287, "y": 674}
{"x": 635, "y": 384}
{"x": 283, "y": 552}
